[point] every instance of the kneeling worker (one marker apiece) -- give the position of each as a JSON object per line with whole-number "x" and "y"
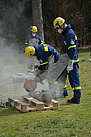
{"x": 44, "y": 53}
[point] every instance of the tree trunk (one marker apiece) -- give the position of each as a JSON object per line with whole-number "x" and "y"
{"x": 37, "y": 16}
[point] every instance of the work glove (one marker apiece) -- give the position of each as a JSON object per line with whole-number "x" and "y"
{"x": 37, "y": 72}
{"x": 38, "y": 78}
{"x": 40, "y": 75}
{"x": 70, "y": 65}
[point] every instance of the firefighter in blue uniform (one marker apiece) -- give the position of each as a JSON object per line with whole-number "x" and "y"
{"x": 43, "y": 53}
{"x": 33, "y": 40}
{"x": 70, "y": 47}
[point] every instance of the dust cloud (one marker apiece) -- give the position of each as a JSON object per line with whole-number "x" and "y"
{"x": 11, "y": 61}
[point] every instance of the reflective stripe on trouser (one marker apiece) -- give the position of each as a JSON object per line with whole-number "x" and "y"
{"x": 65, "y": 90}
{"x": 75, "y": 81}
{"x": 31, "y": 67}
{"x": 64, "y": 86}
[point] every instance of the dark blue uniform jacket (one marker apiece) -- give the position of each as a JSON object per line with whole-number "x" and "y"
{"x": 70, "y": 44}
{"x": 43, "y": 52}
{"x": 37, "y": 37}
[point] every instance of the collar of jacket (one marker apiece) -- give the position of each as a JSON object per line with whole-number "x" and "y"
{"x": 67, "y": 28}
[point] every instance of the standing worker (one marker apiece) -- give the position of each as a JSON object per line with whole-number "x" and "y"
{"x": 45, "y": 54}
{"x": 70, "y": 47}
{"x": 33, "y": 40}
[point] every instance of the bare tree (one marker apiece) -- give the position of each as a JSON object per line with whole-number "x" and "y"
{"x": 37, "y": 16}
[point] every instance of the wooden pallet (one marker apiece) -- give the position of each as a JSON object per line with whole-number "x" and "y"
{"x": 31, "y": 104}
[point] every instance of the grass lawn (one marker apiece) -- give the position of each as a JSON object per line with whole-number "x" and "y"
{"x": 70, "y": 120}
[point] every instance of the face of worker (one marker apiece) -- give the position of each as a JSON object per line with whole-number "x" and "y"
{"x": 33, "y": 34}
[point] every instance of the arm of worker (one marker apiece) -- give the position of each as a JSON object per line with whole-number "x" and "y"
{"x": 43, "y": 59}
{"x": 43, "y": 64}
{"x": 72, "y": 53}
{"x": 27, "y": 42}
{"x": 39, "y": 40}
{"x": 37, "y": 72}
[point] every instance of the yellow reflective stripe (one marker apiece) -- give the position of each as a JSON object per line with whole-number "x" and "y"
{"x": 44, "y": 63}
{"x": 54, "y": 82}
{"x": 76, "y": 60}
{"x": 64, "y": 86}
{"x": 50, "y": 82}
{"x": 65, "y": 43}
{"x": 72, "y": 46}
{"x": 75, "y": 37}
{"x": 27, "y": 43}
{"x": 54, "y": 64}
{"x": 40, "y": 43}
{"x": 76, "y": 88}
{"x": 45, "y": 47}
{"x": 29, "y": 69}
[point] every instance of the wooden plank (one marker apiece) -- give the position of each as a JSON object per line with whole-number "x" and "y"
{"x": 55, "y": 103}
{"x": 22, "y": 105}
{"x": 31, "y": 104}
{"x": 11, "y": 100}
{"x": 28, "y": 98}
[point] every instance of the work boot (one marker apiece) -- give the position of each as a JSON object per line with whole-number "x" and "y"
{"x": 74, "y": 100}
{"x": 35, "y": 67}
{"x": 65, "y": 93}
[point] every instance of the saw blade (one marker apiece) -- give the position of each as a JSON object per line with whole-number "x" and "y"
{"x": 30, "y": 85}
